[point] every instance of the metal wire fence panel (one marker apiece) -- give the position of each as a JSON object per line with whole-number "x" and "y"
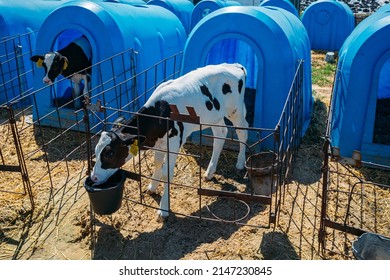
{"x": 15, "y": 67}
{"x": 355, "y": 200}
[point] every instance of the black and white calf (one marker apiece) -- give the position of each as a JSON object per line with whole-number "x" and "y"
{"x": 214, "y": 91}
{"x": 73, "y": 62}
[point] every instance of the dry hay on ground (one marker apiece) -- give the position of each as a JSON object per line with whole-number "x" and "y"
{"x": 359, "y": 198}
{"x": 52, "y": 171}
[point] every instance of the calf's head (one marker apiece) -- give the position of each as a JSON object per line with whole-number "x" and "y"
{"x": 112, "y": 151}
{"x": 53, "y": 63}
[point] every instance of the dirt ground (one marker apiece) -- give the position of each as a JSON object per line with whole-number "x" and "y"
{"x": 62, "y": 226}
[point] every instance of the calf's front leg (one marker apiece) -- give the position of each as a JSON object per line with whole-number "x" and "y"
{"x": 76, "y": 82}
{"x": 85, "y": 90}
{"x": 158, "y": 163}
{"x": 76, "y": 94}
{"x": 167, "y": 176}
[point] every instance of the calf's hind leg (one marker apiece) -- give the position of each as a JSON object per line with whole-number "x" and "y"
{"x": 219, "y": 133}
{"x": 238, "y": 120}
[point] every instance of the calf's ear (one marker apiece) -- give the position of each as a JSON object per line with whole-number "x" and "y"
{"x": 129, "y": 139}
{"x": 119, "y": 122}
{"x": 38, "y": 59}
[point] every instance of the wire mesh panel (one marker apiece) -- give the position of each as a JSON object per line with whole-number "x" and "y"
{"x": 15, "y": 66}
{"x": 16, "y": 198}
{"x": 51, "y": 162}
{"x": 356, "y": 200}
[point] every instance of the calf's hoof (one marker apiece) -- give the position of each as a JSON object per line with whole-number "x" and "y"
{"x": 162, "y": 215}
{"x": 208, "y": 177}
{"x": 242, "y": 173}
{"x": 240, "y": 166}
{"x": 151, "y": 190}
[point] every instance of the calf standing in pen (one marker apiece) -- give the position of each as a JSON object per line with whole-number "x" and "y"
{"x": 73, "y": 62}
{"x": 214, "y": 91}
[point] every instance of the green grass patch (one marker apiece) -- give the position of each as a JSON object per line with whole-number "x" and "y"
{"x": 323, "y": 72}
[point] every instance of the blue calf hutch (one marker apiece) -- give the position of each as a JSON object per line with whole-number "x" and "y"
{"x": 153, "y": 32}
{"x": 181, "y": 8}
{"x": 384, "y": 8}
{"x": 205, "y": 7}
{"x": 19, "y": 24}
{"x": 359, "y": 129}
{"x": 130, "y": 2}
{"x": 270, "y": 46}
{"x": 284, "y": 4}
{"x": 328, "y": 24}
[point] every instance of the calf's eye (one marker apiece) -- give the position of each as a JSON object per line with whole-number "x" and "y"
{"x": 109, "y": 154}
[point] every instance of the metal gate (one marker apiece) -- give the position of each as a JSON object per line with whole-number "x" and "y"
{"x": 355, "y": 200}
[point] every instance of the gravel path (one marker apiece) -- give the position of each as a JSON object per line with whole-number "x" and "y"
{"x": 357, "y": 6}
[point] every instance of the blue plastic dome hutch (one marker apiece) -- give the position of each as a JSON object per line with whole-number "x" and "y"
{"x": 181, "y": 8}
{"x": 152, "y": 31}
{"x": 205, "y": 7}
{"x": 328, "y": 24}
{"x": 284, "y": 4}
{"x": 19, "y": 23}
{"x": 358, "y": 127}
{"x": 270, "y": 46}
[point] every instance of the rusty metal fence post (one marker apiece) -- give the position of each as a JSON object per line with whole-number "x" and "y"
{"x": 21, "y": 168}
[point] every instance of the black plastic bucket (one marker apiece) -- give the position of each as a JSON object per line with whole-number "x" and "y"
{"x": 107, "y": 197}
